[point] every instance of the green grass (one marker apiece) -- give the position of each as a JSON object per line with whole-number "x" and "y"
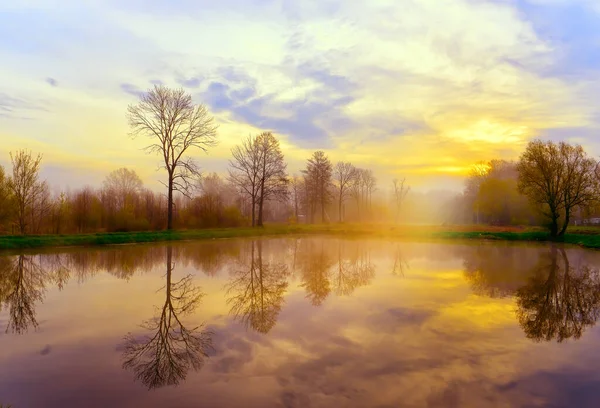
{"x": 589, "y": 238}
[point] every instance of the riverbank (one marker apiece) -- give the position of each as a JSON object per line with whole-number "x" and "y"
{"x": 584, "y": 237}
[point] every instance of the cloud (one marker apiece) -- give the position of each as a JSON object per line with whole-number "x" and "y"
{"x": 422, "y": 88}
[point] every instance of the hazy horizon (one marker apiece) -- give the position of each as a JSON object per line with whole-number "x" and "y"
{"x": 420, "y": 90}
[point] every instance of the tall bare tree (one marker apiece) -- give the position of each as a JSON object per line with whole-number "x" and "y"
{"x": 296, "y": 193}
{"x": 176, "y": 125}
{"x": 344, "y": 174}
{"x": 244, "y": 171}
{"x": 318, "y": 178}
{"x": 25, "y": 184}
{"x": 400, "y": 192}
{"x": 272, "y": 172}
{"x": 557, "y": 178}
{"x": 370, "y": 185}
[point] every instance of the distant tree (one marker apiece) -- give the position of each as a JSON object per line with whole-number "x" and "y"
{"x": 344, "y": 174}
{"x": 25, "y": 184}
{"x": 477, "y": 175}
{"x": 272, "y": 172}
{"x": 296, "y": 193}
{"x": 370, "y": 185}
{"x": 557, "y": 178}
{"x": 244, "y": 171}
{"x": 318, "y": 179}
{"x": 169, "y": 117}
{"x": 123, "y": 184}
{"x": 400, "y": 192}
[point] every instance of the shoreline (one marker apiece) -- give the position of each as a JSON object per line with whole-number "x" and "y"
{"x": 586, "y": 238}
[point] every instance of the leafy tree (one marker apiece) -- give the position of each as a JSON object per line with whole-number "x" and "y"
{"x": 25, "y": 185}
{"x": 557, "y": 178}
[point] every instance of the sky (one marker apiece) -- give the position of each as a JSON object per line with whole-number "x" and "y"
{"x": 420, "y": 89}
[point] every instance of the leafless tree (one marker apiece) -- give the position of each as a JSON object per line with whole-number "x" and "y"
{"x": 356, "y": 189}
{"x": 295, "y": 193}
{"x": 272, "y": 172}
{"x": 318, "y": 181}
{"x": 370, "y": 183}
{"x": 259, "y": 171}
{"x": 244, "y": 171}
{"x": 400, "y": 192}
{"x": 176, "y": 125}
{"x": 25, "y": 184}
{"x": 344, "y": 174}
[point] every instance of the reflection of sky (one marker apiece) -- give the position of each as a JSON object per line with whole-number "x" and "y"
{"x": 430, "y": 337}
{"x": 441, "y": 85}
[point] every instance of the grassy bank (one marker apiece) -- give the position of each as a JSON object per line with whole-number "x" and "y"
{"x": 589, "y": 238}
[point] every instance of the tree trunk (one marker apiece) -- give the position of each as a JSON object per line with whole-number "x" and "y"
{"x": 340, "y": 206}
{"x": 260, "y": 210}
{"x": 554, "y": 227}
{"x": 170, "y": 204}
{"x": 565, "y": 225}
{"x": 296, "y": 206}
{"x": 322, "y": 206}
{"x": 253, "y": 211}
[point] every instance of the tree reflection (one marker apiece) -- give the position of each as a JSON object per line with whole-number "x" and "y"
{"x": 257, "y": 288}
{"x": 322, "y": 274}
{"x": 400, "y": 264}
{"x": 498, "y": 271}
{"x": 165, "y": 356}
{"x": 316, "y": 262}
{"x": 559, "y": 301}
{"x": 353, "y": 271}
{"x": 23, "y": 281}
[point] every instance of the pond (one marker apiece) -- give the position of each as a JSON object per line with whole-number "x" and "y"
{"x": 301, "y": 322}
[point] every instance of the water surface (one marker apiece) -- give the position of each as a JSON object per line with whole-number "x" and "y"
{"x": 301, "y": 322}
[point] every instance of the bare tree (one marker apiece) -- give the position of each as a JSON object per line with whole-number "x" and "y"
{"x": 122, "y": 184}
{"x": 370, "y": 185}
{"x": 169, "y": 117}
{"x": 557, "y": 178}
{"x": 272, "y": 173}
{"x": 318, "y": 177}
{"x": 400, "y": 192}
{"x": 356, "y": 189}
{"x": 244, "y": 171}
{"x": 295, "y": 193}
{"x": 344, "y": 174}
{"x": 25, "y": 184}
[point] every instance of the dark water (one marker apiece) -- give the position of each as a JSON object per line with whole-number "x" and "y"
{"x": 310, "y": 322}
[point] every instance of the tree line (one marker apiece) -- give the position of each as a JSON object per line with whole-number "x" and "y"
{"x": 550, "y": 184}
